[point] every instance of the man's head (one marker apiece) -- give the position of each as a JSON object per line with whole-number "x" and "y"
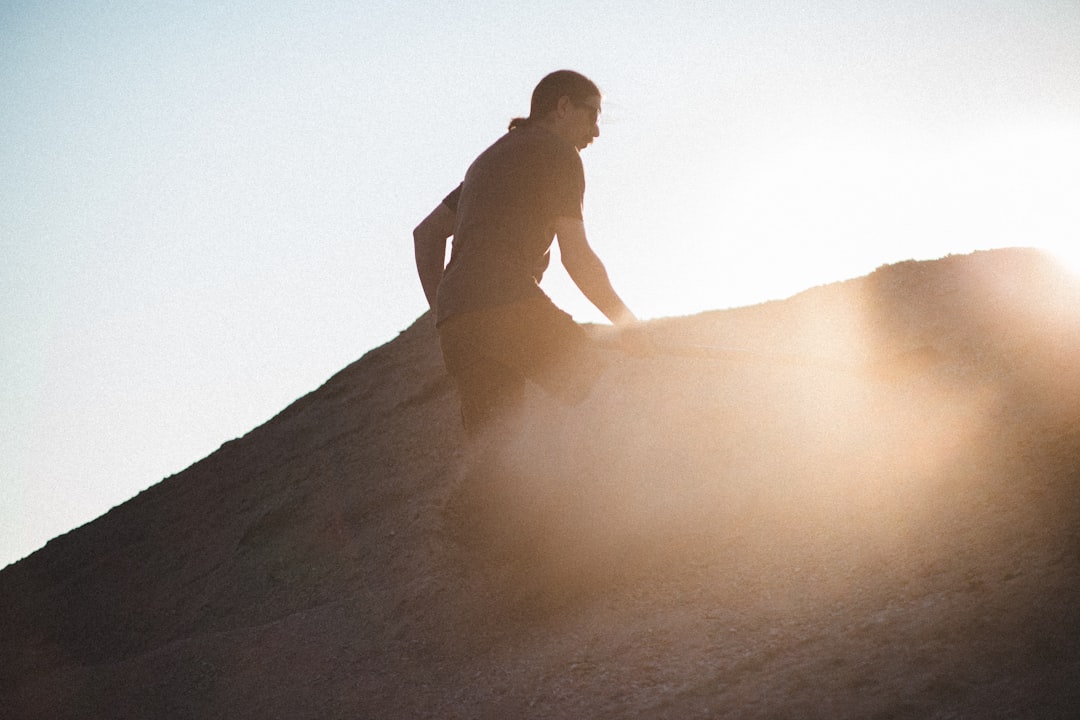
{"x": 569, "y": 103}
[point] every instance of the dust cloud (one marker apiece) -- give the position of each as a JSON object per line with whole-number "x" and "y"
{"x": 837, "y": 441}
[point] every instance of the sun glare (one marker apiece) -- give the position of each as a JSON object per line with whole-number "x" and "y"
{"x": 1068, "y": 257}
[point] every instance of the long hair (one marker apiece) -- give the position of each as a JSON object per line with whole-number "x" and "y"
{"x": 546, "y": 96}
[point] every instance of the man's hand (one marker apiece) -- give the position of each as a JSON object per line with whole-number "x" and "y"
{"x": 632, "y": 339}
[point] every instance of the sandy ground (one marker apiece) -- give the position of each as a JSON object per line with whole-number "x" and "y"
{"x": 862, "y": 502}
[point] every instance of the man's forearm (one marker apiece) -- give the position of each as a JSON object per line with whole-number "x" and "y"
{"x": 589, "y": 274}
{"x": 429, "y": 249}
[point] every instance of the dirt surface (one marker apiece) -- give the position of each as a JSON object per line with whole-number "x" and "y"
{"x": 861, "y": 502}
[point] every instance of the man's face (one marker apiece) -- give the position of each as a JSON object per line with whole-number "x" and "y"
{"x": 583, "y": 121}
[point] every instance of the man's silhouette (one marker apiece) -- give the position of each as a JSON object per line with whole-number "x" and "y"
{"x": 496, "y": 327}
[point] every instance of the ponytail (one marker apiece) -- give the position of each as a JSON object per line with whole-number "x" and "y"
{"x": 554, "y": 86}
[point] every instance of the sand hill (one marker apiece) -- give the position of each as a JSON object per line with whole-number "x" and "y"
{"x": 861, "y": 502}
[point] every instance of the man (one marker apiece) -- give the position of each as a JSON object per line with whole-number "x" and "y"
{"x": 496, "y": 327}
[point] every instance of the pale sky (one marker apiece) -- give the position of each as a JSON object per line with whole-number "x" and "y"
{"x": 206, "y": 207}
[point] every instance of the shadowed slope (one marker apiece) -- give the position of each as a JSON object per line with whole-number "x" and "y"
{"x": 862, "y": 501}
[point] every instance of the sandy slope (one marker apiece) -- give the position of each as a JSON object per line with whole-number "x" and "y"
{"x": 867, "y": 506}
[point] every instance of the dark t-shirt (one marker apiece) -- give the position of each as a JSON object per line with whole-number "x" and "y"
{"x": 505, "y": 212}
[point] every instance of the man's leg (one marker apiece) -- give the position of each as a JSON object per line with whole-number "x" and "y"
{"x": 490, "y": 391}
{"x": 490, "y": 394}
{"x": 491, "y": 352}
{"x": 556, "y": 353}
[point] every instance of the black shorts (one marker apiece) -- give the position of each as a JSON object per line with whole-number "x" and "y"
{"x": 490, "y": 354}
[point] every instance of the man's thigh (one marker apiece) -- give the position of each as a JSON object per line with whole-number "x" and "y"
{"x": 491, "y": 352}
{"x": 488, "y": 388}
{"x": 544, "y": 344}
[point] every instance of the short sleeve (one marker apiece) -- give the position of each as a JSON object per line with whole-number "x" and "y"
{"x": 451, "y": 200}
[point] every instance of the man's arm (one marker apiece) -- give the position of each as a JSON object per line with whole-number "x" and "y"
{"x": 429, "y": 247}
{"x": 588, "y": 273}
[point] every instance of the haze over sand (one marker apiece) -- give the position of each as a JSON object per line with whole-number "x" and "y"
{"x": 863, "y": 501}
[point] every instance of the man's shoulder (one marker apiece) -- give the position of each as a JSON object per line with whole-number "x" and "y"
{"x": 525, "y": 160}
{"x": 534, "y": 139}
